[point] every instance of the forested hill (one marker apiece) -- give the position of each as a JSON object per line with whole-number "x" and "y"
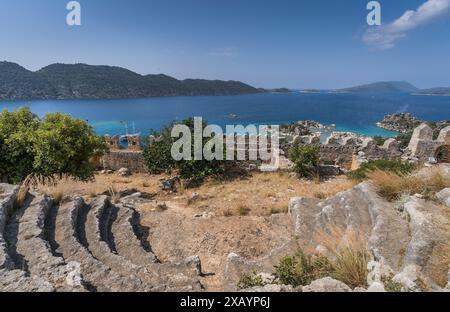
{"x": 81, "y": 81}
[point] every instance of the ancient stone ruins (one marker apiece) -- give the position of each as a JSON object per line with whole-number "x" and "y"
{"x": 101, "y": 245}
{"x": 343, "y": 149}
{"x": 75, "y": 246}
{"x": 349, "y": 150}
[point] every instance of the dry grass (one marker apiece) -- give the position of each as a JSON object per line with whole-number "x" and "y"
{"x": 244, "y": 210}
{"x": 349, "y": 255}
{"x": 115, "y": 196}
{"x": 260, "y": 192}
{"x": 21, "y": 196}
{"x": 393, "y": 186}
{"x": 277, "y": 210}
{"x": 58, "y": 196}
{"x": 228, "y": 213}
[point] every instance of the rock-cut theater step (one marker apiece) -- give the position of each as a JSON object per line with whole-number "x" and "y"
{"x": 73, "y": 244}
{"x": 125, "y": 229}
{"x": 32, "y": 249}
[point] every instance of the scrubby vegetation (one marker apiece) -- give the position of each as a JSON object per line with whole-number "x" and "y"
{"x": 394, "y": 166}
{"x": 403, "y": 139}
{"x": 393, "y": 186}
{"x": 379, "y": 140}
{"x": 36, "y": 149}
{"x": 346, "y": 260}
{"x": 249, "y": 280}
{"x": 305, "y": 159}
{"x": 159, "y": 159}
{"x": 301, "y": 269}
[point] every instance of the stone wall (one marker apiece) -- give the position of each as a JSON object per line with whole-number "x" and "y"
{"x": 343, "y": 152}
{"x": 423, "y": 148}
{"x": 133, "y": 160}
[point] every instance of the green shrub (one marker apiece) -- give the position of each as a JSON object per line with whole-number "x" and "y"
{"x": 390, "y": 285}
{"x": 403, "y": 139}
{"x": 250, "y": 280}
{"x": 394, "y": 166}
{"x": 302, "y": 269}
{"x": 158, "y": 158}
{"x": 379, "y": 140}
{"x": 305, "y": 159}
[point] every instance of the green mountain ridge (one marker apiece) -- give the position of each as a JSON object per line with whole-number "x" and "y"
{"x": 82, "y": 81}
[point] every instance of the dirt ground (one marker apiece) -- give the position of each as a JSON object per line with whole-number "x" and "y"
{"x": 258, "y": 195}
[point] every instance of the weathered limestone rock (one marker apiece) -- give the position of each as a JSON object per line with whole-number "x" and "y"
{"x": 376, "y": 287}
{"x": 7, "y": 197}
{"x": 377, "y": 271}
{"x": 70, "y": 236}
{"x": 429, "y": 226}
{"x": 271, "y": 288}
{"x": 410, "y": 279}
{"x": 18, "y": 281}
{"x": 124, "y": 172}
{"x": 444, "y": 135}
{"x": 422, "y": 145}
{"x": 74, "y": 277}
{"x": 360, "y": 210}
{"x": 126, "y": 221}
{"x": 444, "y": 196}
{"x": 195, "y": 263}
{"x": 326, "y": 284}
{"x": 236, "y": 265}
{"x": 32, "y": 243}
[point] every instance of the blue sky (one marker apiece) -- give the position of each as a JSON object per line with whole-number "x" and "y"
{"x": 266, "y": 43}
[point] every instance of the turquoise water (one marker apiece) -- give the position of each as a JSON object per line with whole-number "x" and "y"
{"x": 350, "y": 112}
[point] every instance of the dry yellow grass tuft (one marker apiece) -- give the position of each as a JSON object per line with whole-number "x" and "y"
{"x": 349, "y": 255}
{"x": 393, "y": 186}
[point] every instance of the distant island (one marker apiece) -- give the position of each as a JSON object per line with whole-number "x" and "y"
{"x": 82, "y": 81}
{"x": 383, "y": 86}
{"x": 434, "y": 92}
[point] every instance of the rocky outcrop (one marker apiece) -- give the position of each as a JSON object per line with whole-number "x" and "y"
{"x": 6, "y": 204}
{"x": 360, "y": 210}
{"x": 401, "y": 122}
{"x": 326, "y": 284}
{"x": 444, "y": 196}
{"x": 408, "y": 241}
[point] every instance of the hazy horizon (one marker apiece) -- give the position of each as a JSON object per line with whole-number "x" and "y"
{"x": 294, "y": 44}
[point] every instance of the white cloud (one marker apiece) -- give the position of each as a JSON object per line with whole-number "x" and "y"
{"x": 385, "y": 36}
{"x": 226, "y": 51}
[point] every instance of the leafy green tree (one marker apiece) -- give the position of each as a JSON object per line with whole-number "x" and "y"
{"x": 64, "y": 146}
{"x": 159, "y": 159}
{"x": 157, "y": 154}
{"x": 305, "y": 159}
{"x": 17, "y": 136}
{"x": 57, "y": 145}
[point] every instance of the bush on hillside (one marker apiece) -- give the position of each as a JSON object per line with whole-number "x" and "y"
{"x": 305, "y": 159}
{"x": 395, "y": 166}
{"x": 36, "y": 149}
{"x": 159, "y": 159}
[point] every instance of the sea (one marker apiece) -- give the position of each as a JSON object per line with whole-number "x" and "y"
{"x": 355, "y": 112}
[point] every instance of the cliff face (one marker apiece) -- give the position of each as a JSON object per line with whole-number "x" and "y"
{"x": 81, "y": 81}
